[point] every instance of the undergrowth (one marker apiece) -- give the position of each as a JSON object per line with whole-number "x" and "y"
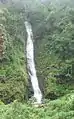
{"x": 62, "y": 108}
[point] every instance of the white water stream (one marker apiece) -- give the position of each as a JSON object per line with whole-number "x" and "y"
{"x": 31, "y": 63}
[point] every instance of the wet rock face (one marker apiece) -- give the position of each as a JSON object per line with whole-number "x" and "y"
{"x": 1, "y": 44}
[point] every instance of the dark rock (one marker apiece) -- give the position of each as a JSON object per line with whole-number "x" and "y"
{"x": 51, "y": 96}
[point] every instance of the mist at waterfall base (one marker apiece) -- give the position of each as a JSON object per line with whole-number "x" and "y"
{"x": 31, "y": 64}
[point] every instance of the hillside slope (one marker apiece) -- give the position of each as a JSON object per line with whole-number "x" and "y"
{"x": 13, "y": 75}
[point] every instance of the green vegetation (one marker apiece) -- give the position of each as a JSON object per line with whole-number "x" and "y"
{"x": 53, "y": 29}
{"x": 62, "y": 108}
{"x": 13, "y": 76}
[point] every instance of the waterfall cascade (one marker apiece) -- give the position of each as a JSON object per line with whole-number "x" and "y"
{"x": 31, "y": 64}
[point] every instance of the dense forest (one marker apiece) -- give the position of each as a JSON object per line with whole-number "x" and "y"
{"x": 53, "y": 30}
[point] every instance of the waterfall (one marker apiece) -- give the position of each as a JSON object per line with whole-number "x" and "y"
{"x": 31, "y": 63}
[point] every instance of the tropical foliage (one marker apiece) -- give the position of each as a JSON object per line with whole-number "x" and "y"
{"x": 53, "y": 29}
